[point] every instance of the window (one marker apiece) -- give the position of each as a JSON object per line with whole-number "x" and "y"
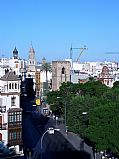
{"x": 10, "y": 135}
{"x": 19, "y": 135}
{"x": 14, "y": 135}
{"x": 16, "y": 65}
{"x": 9, "y": 118}
{"x": 13, "y": 99}
{"x": 15, "y": 118}
{"x": 63, "y": 70}
{"x": 15, "y": 86}
{"x": 2, "y": 109}
{"x": 108, "y": 82}
{"x": 10, "y": 86}
{"x": 19, "y": 117}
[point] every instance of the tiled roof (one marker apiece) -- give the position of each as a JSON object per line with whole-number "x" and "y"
{"x": 9, "y": 76}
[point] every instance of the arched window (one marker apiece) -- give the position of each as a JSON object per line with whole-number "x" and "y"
{"x": 63, "y": 70}
{"x": 10, "y": 86}
{"x": 15, "y": 86}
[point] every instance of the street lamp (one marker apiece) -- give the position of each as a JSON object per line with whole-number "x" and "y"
{"x": 65, "y": 115}
{"x": 49, "y": 131}
{"x": 84, "y": 113}
{"x": 82, "y": 144}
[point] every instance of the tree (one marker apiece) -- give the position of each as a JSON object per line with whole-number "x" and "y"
{"x": 103, "y": 127}
{"x": 94, "y": 88}
{"x": 100, "y": 125}
{"x": 77, "y": 119}
{"x": 116, "y": 84}
{"x": 46, "y": 67}
{"x": 55, "y": 101}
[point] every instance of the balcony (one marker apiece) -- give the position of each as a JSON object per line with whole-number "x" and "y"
{"x": 3, "y": 126}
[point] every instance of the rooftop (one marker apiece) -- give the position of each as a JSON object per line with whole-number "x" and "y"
{"x": 10, "y": 76}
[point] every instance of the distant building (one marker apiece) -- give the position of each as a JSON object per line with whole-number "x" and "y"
{"x": 37, "y": 84}
{"x": 105, "y": 77}
{"x": 12, "y": 64}
{"x": 60, "y": 73}
{"x": 31, "y": 62}
{"x": 31, "y": 66}
{"x": 15, "y": 127}
{"x": 16, "y": 64}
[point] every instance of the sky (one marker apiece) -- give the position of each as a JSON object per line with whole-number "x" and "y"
{"x": 52, "y": 26}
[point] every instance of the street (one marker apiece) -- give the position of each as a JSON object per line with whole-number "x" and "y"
{"x": 55, "y": 146}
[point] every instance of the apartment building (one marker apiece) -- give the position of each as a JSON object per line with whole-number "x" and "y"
{"x": 10, "y": 111}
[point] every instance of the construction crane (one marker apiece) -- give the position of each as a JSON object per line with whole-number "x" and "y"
{"x": 82, "y": 49}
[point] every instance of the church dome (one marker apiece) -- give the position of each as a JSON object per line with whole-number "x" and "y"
{"x": 15, "y": 53}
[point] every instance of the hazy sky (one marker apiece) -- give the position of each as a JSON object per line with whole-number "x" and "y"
{"x": 52, "y": 25}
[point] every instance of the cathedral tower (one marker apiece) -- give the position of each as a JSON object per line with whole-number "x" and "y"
{"x": 31, "y": 60}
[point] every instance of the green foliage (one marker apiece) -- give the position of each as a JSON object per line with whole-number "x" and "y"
{"x": 94, "y": 88}
{"x": 111, "y": 95}
{"x": 55, "y": 101}
{"x": 103, "y": 127}
{"x": 79, "y": 105}
{"x": 100, "y": 125}
{"x": 116, "y": 84}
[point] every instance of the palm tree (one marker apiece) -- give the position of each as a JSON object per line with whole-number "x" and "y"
{"x": 46, "y": 67}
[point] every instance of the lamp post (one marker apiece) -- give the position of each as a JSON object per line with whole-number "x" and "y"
{"x": 65, "y": 111}
{"x": 82, "y": 145}
{"x": 49, "y": 131}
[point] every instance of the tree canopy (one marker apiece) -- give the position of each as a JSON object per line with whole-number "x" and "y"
{"x": 92, "y": 112}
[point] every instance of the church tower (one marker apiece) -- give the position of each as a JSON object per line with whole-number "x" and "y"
{"x": 31, "y": 60}
{"x": 15, "y": 53}
{"x": 60, "y": 73}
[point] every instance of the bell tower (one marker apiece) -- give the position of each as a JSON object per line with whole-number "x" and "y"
{"x": 15, "y": 53}
{"x": 31, "y": 59}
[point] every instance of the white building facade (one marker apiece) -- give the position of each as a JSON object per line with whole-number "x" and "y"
{"x": 9, "y": 100}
